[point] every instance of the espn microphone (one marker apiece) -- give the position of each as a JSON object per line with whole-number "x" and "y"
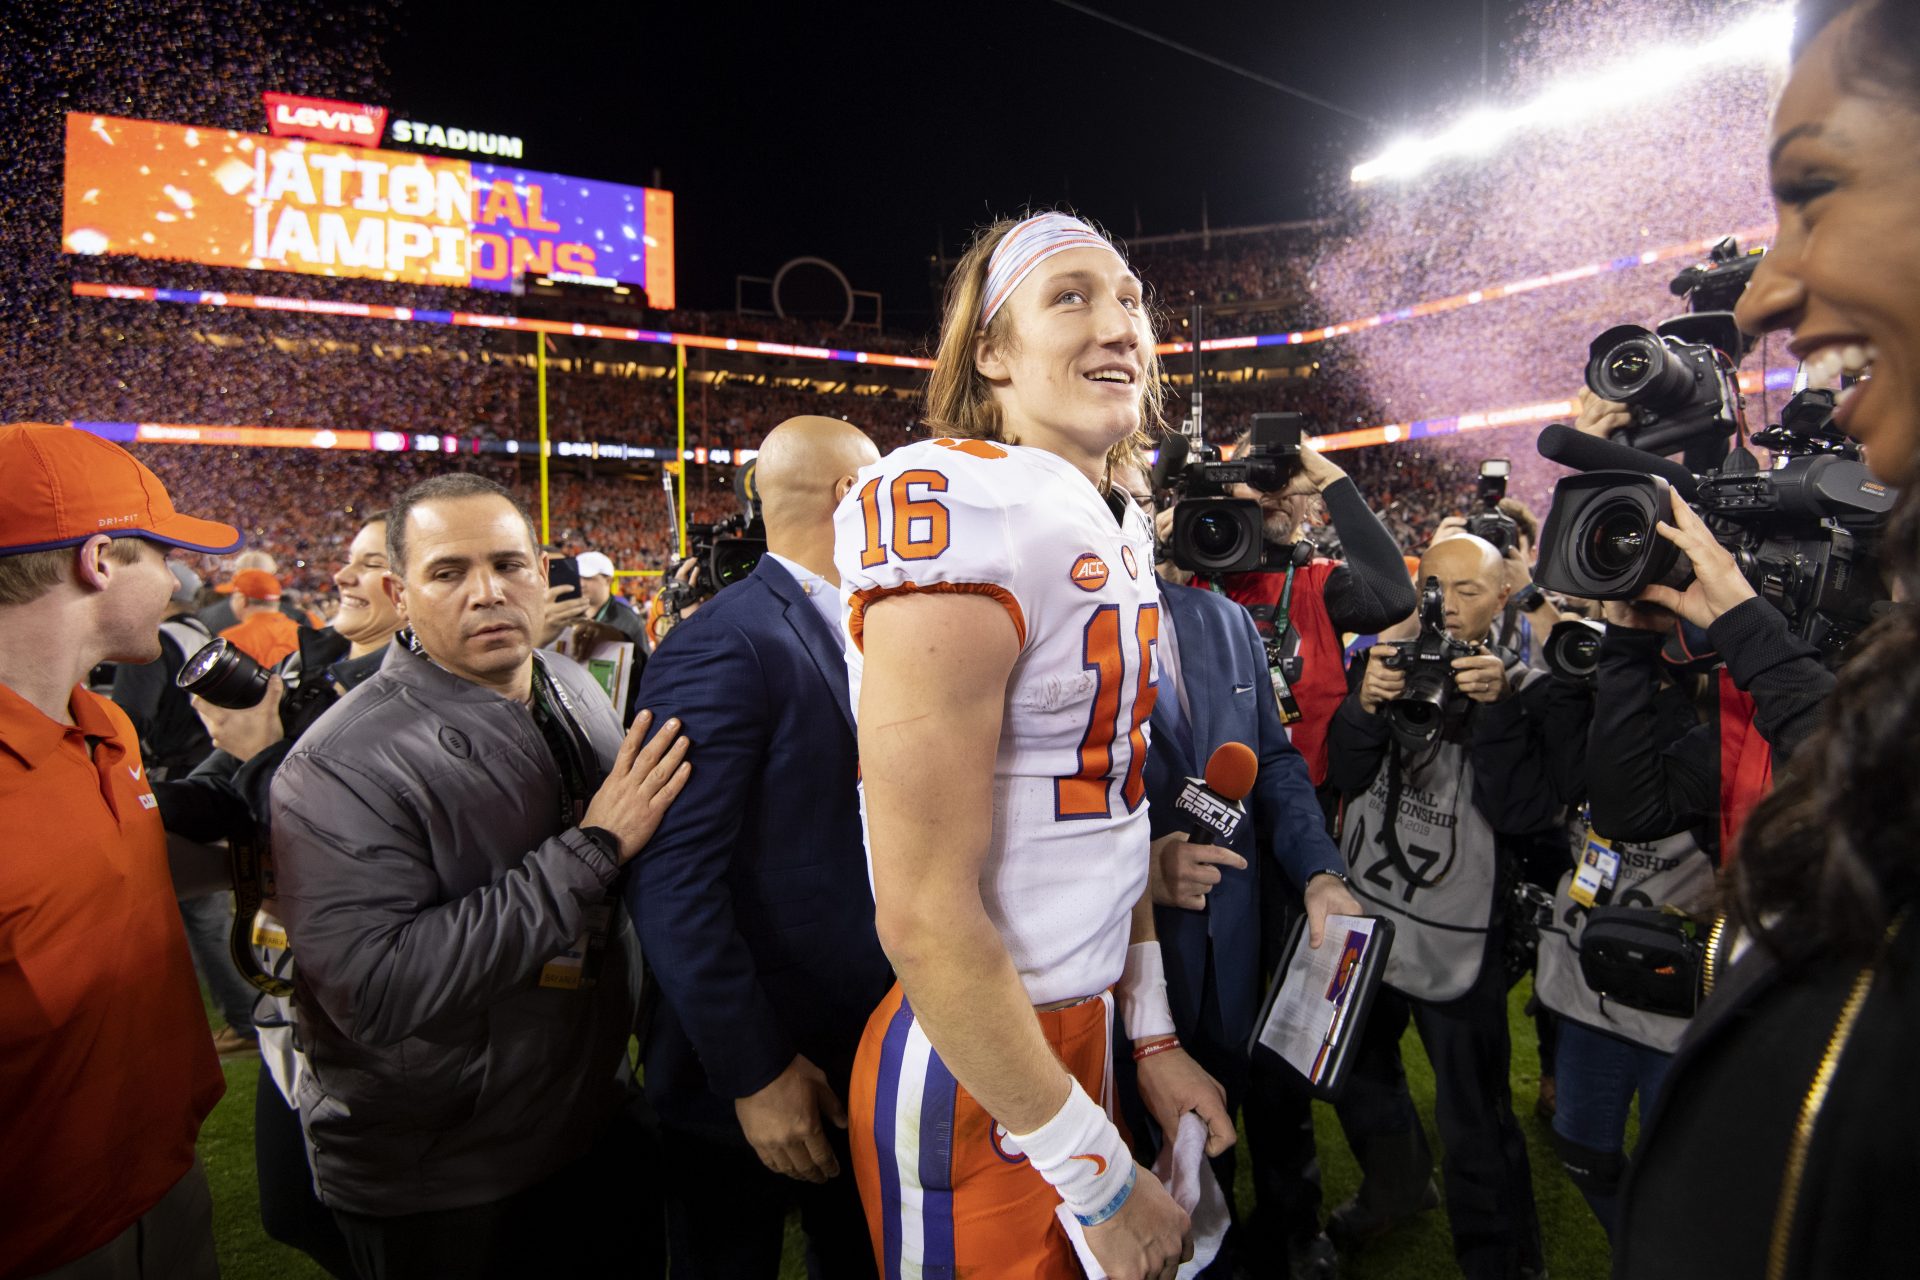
{"x": 1570, "y": 448}
{"x": 1211, "y": 805}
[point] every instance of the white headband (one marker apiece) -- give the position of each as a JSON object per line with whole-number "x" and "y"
{"x": 1029, "y": 244}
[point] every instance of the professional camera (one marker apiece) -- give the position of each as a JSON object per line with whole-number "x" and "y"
{"x": 228, "y": 677}
{"x": 1490, "y": 522}
{"x": 1212, "y": 532}
{"x": 725, "y": 552}
{"x": 1678, "y": 380}
{"x": 1572, "y": 651}
{"x": 1417, "y": 714}
{"x": 1805, "y": 534}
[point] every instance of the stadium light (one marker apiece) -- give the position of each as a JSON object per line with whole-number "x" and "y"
{"x": 1763, "y": 37}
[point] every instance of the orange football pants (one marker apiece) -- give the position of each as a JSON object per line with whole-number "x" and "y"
{"x": 943, "y": 1199}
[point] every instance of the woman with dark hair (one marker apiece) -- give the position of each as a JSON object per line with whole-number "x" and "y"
{"x": 1787, "y": 1140}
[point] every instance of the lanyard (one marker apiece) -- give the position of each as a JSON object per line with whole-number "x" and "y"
{"x": 1276, "y": 616}
{"x": 1282, "y": 668}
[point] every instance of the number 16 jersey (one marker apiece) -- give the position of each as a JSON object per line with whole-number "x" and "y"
{"x": 1028, "y": 530}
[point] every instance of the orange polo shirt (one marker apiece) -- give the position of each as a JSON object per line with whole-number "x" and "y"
{"x": 264, "y": 637}
{"x": 106, "y": 1063}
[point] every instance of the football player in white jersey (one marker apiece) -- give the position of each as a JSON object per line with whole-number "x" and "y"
{"x": 1001, "y": 625}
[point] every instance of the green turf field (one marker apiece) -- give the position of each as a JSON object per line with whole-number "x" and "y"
{"x": 1576, "y": 1249}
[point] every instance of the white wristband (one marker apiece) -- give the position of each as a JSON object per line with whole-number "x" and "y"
{"x": 1081, "y": 1155}
{"x": 1143, "y": 993}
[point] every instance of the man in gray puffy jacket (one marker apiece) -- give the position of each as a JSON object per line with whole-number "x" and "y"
{"x": 447, "y": 840}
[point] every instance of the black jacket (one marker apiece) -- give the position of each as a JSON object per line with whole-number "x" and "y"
{"x": 1655, "y": 782}
{"x": 1709, "y": 1181}
{"x": 172, "y": 739}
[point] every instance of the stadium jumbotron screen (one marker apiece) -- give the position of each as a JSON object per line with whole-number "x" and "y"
{"x": 231, "y": 199}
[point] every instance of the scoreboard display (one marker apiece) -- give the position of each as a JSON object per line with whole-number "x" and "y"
{"x": 231, "y": 199}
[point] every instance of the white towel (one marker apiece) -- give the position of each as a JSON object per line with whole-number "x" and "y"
{"x": 1183, "y": 1169}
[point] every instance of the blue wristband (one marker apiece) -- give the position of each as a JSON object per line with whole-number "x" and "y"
{"x": 1113, "y": 1206}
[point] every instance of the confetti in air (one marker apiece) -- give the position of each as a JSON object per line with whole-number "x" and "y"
{"x": 1661, "y": 170}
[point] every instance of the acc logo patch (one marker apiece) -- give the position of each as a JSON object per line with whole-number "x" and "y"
{"x": 1126, "y": 562}
{"x": 1089, "y": 572}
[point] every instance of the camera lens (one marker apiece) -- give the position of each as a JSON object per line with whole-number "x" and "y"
{"x": 1643, "y": 369}
{"x": 1572, "y": 650}
{"x": 734, "y": 559}
{"x": 1616, "y": 538}
{"x": 1628, "y": 367}
{"x": 224, "y": 676}
{"x": 1218, "y": 536}
{"x": 1420, "y": 716}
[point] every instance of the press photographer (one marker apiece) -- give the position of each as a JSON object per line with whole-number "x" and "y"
{"x": 254, "y": 717}
{"x": 1776, "y": 573}
{"x": 1673, "y": 388}
{"x": 1510, "y": 527}
{"x": 1617, "y": 965}
{"x": 1239, "y": 525}
{"x": 718, "y": 555}
{"x": 1442, "y": 756}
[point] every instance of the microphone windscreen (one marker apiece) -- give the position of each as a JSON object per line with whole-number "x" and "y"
{"x": 1231, "y": 770}
{"x": 1172, "y": 459}
{"x": 1582, "y": 452}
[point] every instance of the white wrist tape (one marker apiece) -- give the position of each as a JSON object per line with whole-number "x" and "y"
{"x": 1081, "y": 1155}
{"x": 1143, "y": 993}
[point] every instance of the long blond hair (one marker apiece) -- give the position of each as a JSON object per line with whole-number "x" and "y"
{"x": 960, "y": 401}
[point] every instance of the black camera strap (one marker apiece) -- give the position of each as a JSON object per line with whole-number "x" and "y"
{"x": 252, "y": 885}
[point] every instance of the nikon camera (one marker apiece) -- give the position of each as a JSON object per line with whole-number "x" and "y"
{"x": 1418, "y": 714}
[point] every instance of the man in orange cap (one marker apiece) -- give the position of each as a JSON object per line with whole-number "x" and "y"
{"x": 262, "y": 632}
{"x": 106, "y": 1068}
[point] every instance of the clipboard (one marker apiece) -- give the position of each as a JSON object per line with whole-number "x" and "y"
{"x": 1318, "y": 1001}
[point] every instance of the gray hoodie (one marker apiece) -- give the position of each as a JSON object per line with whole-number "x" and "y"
{"x": 425, "y": 877}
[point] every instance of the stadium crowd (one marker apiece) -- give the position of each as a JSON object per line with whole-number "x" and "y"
{"x": 301, "y": 507}
{"x": 1249, "y": 272}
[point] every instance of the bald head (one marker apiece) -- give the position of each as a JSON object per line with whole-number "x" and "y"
{"x": 1473, "y": 580}
{"x": 1463, "y": 556}
{"x": 800, "y": 470}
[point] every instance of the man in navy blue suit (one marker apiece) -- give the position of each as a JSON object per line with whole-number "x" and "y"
{"x": 1214, "y": 689}
{"x": 751, "y": 900}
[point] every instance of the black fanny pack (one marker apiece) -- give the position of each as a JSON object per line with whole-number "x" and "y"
{"x": 1644, "y": 959}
